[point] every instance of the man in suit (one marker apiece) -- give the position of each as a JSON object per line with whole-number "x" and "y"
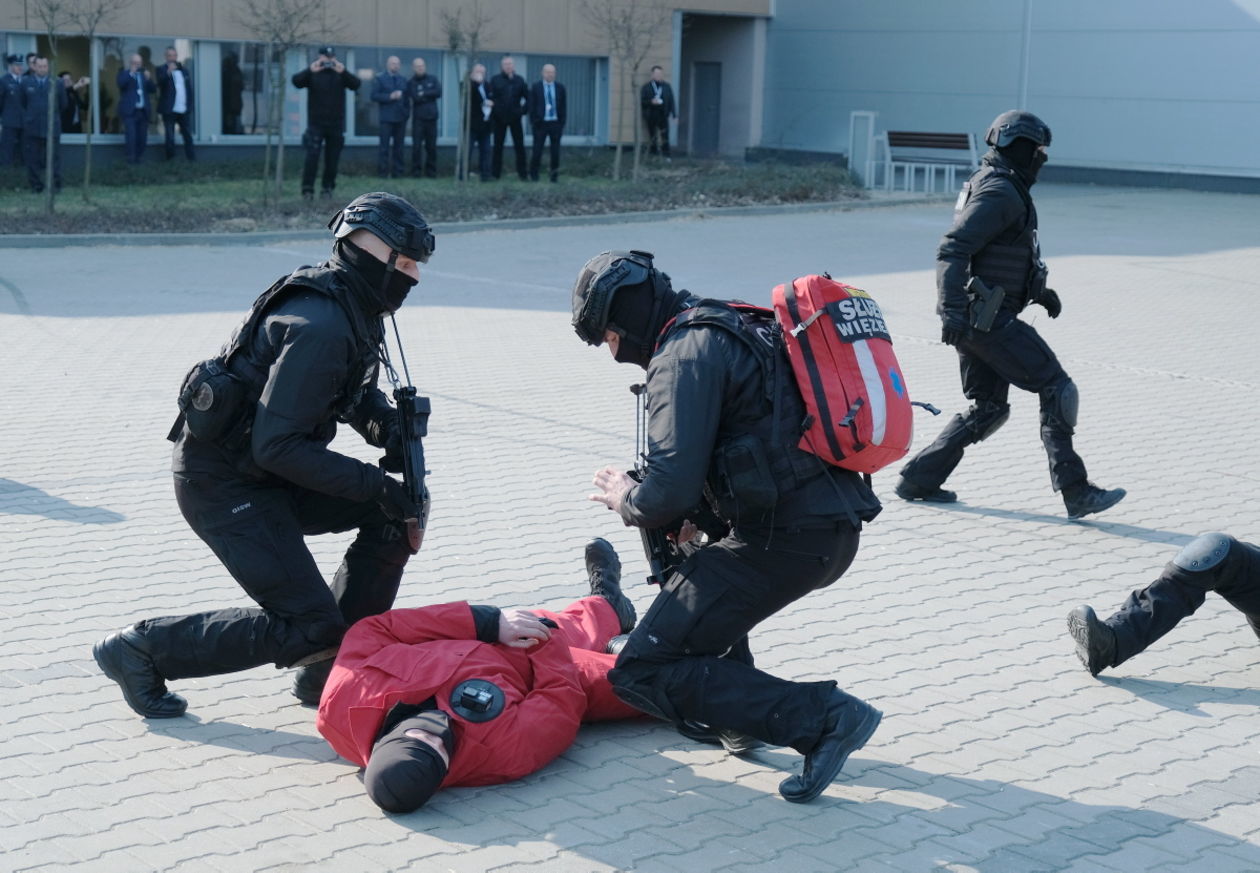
{"x": 36, "y": 89}
{"x": 326, "y": 81}
{"x": 135, "y": 106}
{"x": 76, "y": 102}
{"x": 547, "y": 107}
{"x": 656, "y": 99}
{"x": 511, "y": 100}
{"x": 11, "y": 112}
{"x": 175, "y": 102}
{"x": 389, "y": 92}
{"x": 480, "y": 126}
{"x": 423, "y": 92}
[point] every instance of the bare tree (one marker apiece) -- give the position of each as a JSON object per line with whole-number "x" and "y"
{"x": 464, "y": 40}
{"x": 628, "y": 28}
{"x": 55, "y": 16}
{"x": 88, "y": 16}
{"x": 284, "y": 25}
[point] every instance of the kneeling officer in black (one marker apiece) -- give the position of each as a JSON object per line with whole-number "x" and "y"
{"x": 306, "y": 357}
{"x": 722, "y": 405}
{"x": 993, "y": 245}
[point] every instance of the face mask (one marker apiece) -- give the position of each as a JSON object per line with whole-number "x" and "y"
{"x": 397, "y": 288}
{"x": 393, "y": 286}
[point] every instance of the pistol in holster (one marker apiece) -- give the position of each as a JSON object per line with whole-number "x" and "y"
{"x": 985, "y": 303}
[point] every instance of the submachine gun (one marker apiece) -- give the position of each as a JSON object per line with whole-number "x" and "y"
{"x": 660, "y": 545}
{"x": 413, "y": 426}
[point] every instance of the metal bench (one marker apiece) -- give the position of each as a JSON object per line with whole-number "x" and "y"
{"x": 916, "y": 153}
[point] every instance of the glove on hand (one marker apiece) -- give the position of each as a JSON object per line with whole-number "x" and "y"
{"x": 1051, "y": 302}
{"x": 395, "y": 502}
{"x": 953, "y": 330}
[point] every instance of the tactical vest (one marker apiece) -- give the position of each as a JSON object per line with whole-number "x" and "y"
{"x": 235, "y": 380}
{"x": 1017, "y": 265}
{"x": 756, "y": 460}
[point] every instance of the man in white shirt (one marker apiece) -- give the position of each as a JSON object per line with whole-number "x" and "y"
{"x": 175, "y": 102}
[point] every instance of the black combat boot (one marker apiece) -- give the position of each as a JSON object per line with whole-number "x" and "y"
{"x": 308, "y": 684}
{"x": 907, "y": 490}
{"x": 125, "y": 658}
{"x": 1086, "y": 498}
{"x": 850, "y": 723}
{"x": 604, "y": 569}
{"x": 1095, "y": 642}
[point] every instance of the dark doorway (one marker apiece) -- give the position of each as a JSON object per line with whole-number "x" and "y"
{"x": 706, "y": 99}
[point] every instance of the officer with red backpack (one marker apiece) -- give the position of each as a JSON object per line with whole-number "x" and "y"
{"x": 989, "y": 268}
{"x": 723, "y": 424}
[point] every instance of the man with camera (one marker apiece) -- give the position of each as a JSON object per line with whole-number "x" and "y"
{"x": 717, "y": 415}
{"x": 988, "y": 270}
{"x": 254, "y": 474}
{"x": 473, "y": 695}
{"x": 327, "y": 81}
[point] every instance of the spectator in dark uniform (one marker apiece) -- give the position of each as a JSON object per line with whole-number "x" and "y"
{"x": 424, "y": 92}
{"x": 327, "y": 81}
{"x": 480, "y": 125}
{"x": 232, "y": 85}
{"x": 175, "y": 102}
{"x": 1212, "y": 562}
{"x": 547, "y": 110}
{"x": 389, "y": 93}
{"x": 656, "y": 99}
{"x": 11, "y": 112}
{"x": 76, "y": 102}
{"x": 36, "y": 106}
{"x": 511, "y": 100}
{"x": 135, "y": 106}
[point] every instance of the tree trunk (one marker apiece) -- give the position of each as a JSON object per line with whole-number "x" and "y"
{"x": 278, "y": 91}
{"x": 463, "y": 151}
{"x": 271, "y": 106}
{"x": 50, "y": 145}
{"x": 638, "y": 149}
{"x": 87, "y": 146}
{"x": 621, "y": 126}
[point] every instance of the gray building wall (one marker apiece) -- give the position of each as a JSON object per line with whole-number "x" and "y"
{"x": 1145, "y": 85}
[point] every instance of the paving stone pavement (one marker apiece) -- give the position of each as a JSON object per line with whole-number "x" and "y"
{"x": 998, "y": 753}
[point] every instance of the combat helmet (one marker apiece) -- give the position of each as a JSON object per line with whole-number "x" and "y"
{"x": 391, "y": 218}
{"x": 1016, "y": 124}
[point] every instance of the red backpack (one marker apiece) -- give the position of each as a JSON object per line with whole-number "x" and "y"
{"x": 857, "y": 404}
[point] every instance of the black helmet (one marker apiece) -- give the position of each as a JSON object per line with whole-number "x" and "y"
{"x": 395, "y": 221}
{"x": 596, "y": 284}
{"x": 1013, "y": 125}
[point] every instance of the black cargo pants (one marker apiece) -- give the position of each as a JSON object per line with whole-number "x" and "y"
{"x": 258, "y": 533}
{"x": 689, "y": 657}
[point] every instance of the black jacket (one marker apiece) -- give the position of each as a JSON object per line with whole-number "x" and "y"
{"x": 11, "y": 101}
{"x": 326, "y": 102}
{"x": 994, "y": 236}
{"x": 477, "y": 124}
{"x": 311, "y": 362}
{"x": 706, "y": 387}
{"x": 35, "y": 105}
{"x": 510, "y": 96}
{"x": 166, "y": 90}
{"x": 538, "y": 103}
{"x": 424, "y": 93}
{"x": 666, "y": 109}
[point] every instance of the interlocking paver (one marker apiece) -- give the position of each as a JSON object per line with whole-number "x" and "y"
{"x": 997, "y": 753}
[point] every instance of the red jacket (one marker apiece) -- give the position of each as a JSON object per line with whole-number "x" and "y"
{"x": 410, "y": 655}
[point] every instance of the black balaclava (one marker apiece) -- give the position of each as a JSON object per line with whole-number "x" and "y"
{"x": 391, "y": 286}
{"x": 1024, "y": 155}
{"x": 404, "y": 772}
{"x": 631, "y": 315}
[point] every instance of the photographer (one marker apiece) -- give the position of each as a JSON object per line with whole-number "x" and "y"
{"x": 714, "y": 428}
{"x": 254, "y": 474}
{"x": 328, "y": 80}
{"x": 473, "y": 695}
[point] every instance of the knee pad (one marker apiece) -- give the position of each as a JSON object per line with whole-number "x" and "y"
{"x": 1204, "y": 552}
{"x": 985, "y": 417}
{"x": 1060, "y": 403}
{"x": 639, "y": 686}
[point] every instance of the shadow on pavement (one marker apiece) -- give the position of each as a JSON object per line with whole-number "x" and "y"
{"x": 232, "y": 735}
{"x": 17, "y": 498}
{"x": 1183, "y": 696}
{"x": 1131, "y": 531}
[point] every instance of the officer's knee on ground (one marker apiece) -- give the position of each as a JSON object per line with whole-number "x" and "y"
{"x": 1060, "y": 404}
{"x": 985, "y": 417}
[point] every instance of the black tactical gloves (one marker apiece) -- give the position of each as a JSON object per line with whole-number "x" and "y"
{"x": 1051, "y": 302}
{"x": 953, "y": 329}
{"x": 395, "y": 502}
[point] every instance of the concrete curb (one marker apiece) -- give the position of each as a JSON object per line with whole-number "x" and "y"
{"x": 267, "y": 237}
